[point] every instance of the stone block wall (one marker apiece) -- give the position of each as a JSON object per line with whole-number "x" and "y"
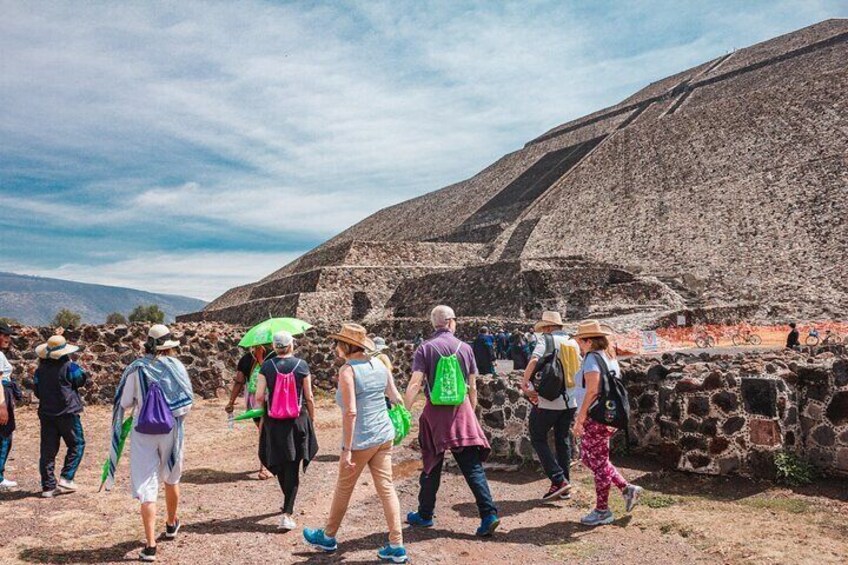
{"x": 715, "y": 414}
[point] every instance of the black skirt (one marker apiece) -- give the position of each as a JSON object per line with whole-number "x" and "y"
{"x": 285, "y": 441}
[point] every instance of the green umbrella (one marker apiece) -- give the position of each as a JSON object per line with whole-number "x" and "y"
{"x": 125, "y": 431}
{"x": 250, "y": 414}
{"x": 263, "y": 333}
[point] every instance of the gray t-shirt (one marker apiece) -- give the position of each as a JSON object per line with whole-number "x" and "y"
{"x": 560, "y": 339}
{"x": 590, "y": 365}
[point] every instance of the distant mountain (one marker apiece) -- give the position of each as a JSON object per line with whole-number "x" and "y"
{"x": 35, "y": 300}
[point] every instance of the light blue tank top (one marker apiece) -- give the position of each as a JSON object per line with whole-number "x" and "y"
{"x": 373, "y": 426}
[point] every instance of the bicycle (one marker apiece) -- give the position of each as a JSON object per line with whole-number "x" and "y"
{"x": 704, "y": 340}
{"x": 746, "y": 337}
{"x": 830, "y": 338}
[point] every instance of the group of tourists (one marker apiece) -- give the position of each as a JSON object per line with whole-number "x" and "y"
{"x": 156, "y": 390}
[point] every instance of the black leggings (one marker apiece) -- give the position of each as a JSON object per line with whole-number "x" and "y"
{"x": 289, "y": 478}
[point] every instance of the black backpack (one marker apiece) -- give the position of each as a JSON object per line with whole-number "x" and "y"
{"x": 612, "y": 406}
{"x": 549, "y": 373}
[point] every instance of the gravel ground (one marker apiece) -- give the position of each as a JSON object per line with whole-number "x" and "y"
{"x": 230, "y": 517}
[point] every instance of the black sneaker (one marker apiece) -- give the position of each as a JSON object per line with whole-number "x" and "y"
{"x": 148, "y": 554}
{"x": 171, "y": 531}
{"x": 556, "y": 490}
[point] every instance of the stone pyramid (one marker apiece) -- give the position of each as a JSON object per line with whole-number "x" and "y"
{"x": 718, "y": 193}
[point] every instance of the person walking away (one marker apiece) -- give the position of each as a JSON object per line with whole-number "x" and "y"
{"x": 56, "y": 385}
{"x": 367, "y": 436}
{"x": 793, "y": 340}
{"x": 287, "y": 437}
{"x": 157, "y": 390}
{"x": 594, "y": 446}
{"x": 557, "y": 414}
{"x": 448, "y": 422}
{"x": 247, "y": 374}
{"x": 517, "y": 349}
{"x": 484, "y": 354}
{"x": 9, "y": 394}
{"x": 502, "y": 341}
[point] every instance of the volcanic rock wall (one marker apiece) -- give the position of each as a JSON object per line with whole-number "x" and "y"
{"x": 711, "y": 414}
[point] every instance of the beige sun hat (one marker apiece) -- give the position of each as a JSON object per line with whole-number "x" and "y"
{"x": 354, "y": 334}
{"x": 549, "y": 318}
{"x": 591, "y": 328}
{"x": 162, "y": 338}
{"x": 55, "y": 348}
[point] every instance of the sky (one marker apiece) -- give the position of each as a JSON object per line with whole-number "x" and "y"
{"x": 190, "y": 147}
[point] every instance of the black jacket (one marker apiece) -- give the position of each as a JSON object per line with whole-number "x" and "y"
{"x": 56, "y": 385}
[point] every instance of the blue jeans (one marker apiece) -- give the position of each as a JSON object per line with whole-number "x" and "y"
{"x": 5, "y": 448}
{"x": 469, "y": 462}
{"x": 541, "y": 422}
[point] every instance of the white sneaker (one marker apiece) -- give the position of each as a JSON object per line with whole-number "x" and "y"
{"x": 6, "y": 484}
{"x": 50, "y": 493}
{"x": 287, "y": 523}
{"x": 67, "y": 485}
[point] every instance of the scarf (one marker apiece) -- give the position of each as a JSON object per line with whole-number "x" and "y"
{"x": 174, "y": 381}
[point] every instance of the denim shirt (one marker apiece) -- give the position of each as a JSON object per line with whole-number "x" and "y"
{"x": 373, "y": 426}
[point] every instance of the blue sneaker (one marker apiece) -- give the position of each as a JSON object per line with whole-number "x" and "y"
{"x": 488, "y": 525}
{"x": 317, "y": 538}
{"x": 393, "y": 554}
{"x": 415, "y": 519}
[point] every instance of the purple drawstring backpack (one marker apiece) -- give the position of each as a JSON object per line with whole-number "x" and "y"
{"x": 155, "y": 417}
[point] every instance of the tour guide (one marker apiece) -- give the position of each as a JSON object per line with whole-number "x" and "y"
{"x": 449, "y": 427}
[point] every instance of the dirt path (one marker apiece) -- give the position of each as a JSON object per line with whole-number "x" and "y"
{"x": 230, "y": 517}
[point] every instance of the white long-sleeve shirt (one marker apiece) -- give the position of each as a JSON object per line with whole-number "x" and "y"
{"x": 5, "y": 374}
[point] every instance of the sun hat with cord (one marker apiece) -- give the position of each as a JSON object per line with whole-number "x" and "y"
{"x": 56, "y": 347}
{"x": 354, "y": 334}
{"x": 159, "y": 338}
{"x": 591, "y": 328}
{"x": 549, "y": 318}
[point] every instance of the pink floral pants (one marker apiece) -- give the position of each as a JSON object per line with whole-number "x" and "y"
{"x": 595, "y": 451}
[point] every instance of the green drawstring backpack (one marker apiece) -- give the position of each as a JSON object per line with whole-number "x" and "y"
{"x": 449, "y": 388}
{"x": 401, "y": 420}
{"x": 254, "y": 376}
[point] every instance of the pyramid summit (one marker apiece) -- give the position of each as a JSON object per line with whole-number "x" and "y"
{"x": 719, "y": 191}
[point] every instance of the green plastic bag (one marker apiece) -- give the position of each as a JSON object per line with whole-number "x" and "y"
{"x": 401, "y": 420}
{"x": 254, "y": 376}
{"x": 449, "y": 388}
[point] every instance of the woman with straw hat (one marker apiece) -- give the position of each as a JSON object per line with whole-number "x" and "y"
{"x": 593, "y": 340}
{"x": 367, "y": 435}
{"x": 56, "y": 384}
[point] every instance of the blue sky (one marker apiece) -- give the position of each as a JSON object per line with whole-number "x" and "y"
{"x": 189, "y": 147}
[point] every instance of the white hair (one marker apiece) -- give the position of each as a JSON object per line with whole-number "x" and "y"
{"x": 441, "y": 315}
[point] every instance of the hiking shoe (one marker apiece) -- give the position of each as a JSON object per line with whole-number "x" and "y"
{"x": 171, "y": 531}
{"x": 50, "y": 493}
{"x": 148, "y": 554}
{"x": 598, "y": 518}
{"x": 565, "y": 496}
{"x": 415, "y": 519}
{"x": 287, "y": 523}
{"x": 556, "y": 490}
{"x": 631, "y": 495}
{"x": 67, "y": 485}
{"x": 6, "y": 484}
{"x": 317, "y": 538}
{"x": 488, "y": 526}
{"x": 393, "y": 554}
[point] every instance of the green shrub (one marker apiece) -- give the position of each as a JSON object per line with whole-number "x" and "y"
{"x": 152, "y": 314}
{"x": 793, "y": 470}
{"x": 116, "y": 318}
{"x": 9, "y": 321}
{"x": 66, "y": 319}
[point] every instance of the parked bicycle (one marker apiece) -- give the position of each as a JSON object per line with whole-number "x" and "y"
{"x": 704, "y": 340}
{"x": 746, "y": 337}
{"x": 829, "y": 338}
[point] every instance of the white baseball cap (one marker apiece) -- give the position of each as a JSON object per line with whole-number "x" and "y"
{"x": 283, "y": 339}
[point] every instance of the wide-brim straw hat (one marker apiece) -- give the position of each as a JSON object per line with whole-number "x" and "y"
{"x": 161, "y": 335}
{"x": 354, "y": 334}
{"x": 55, "y": 348}
{"x": 379, "y": 344}
{"x": 548, "y": 319}
{"x": 591, "y": 328}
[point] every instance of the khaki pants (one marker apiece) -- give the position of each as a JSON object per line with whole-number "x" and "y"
{"x": 379, "y": 461}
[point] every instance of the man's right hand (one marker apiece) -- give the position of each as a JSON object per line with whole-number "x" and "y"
{"x": 4, "y": 414}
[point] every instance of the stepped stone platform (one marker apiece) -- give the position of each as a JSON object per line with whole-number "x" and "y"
{"x": 719, "y": 191}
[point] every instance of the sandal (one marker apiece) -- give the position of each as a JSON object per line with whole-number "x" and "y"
{"x": 264, "y": 475}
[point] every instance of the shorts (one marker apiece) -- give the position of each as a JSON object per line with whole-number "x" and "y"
{"x": 154, "y": 459}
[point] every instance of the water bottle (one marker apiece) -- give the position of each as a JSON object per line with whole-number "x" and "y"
{"x": 231, "y": 421}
